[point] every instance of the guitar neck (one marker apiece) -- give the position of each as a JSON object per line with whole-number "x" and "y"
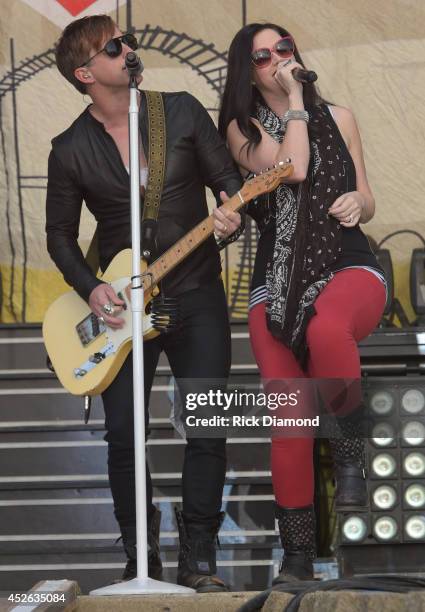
{"x": 178, "y": 252}
{"x": 264, "y": 183}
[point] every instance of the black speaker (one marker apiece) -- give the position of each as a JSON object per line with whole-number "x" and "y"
{"x": 417, "y": 281}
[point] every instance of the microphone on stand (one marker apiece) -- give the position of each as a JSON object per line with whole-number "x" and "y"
{"x": 304, "y": 76}
{"x": 134, "y": 64}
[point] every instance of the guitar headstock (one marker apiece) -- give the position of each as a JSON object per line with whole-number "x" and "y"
{"x": 267, "y": 181}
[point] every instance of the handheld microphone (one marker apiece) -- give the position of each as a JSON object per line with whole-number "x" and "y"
{"x": 304, "y": 76}
{"x": 134, "y": 64}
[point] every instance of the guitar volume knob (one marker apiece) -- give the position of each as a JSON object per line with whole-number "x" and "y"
{"x": 80, "y": 372}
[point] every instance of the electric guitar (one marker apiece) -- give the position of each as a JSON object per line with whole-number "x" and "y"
{"x": 86, "y": 354}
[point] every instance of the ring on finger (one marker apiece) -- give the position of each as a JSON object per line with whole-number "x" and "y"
{"x": 108, "y": 308}
{"x": 101, "y": 320}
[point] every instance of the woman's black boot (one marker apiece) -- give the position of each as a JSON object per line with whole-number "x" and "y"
{"x": 197, "y": 556}
{"x": 297, "y": 529}
{"x": 351, "y": 484}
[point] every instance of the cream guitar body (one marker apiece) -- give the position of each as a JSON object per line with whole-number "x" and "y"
{"x": 87, "y": 355}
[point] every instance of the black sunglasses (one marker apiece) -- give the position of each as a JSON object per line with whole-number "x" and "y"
{"x": 113, "y": 47}
{"x": 284, "y": 49}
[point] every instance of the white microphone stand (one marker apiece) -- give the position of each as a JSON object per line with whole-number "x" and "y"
{"x": 142, "y": 584}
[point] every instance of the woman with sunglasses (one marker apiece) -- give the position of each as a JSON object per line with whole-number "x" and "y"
{"x": 317, "y": 288}
{"x": 89, "y": 161}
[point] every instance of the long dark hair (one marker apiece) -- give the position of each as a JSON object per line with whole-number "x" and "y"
{"x": 240, "y": 96}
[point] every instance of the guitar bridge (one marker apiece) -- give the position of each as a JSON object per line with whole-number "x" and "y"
{"x": 94, "y": 360}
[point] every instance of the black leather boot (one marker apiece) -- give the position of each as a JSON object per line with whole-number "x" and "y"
{"x": 351, "y": 485}
{"x": 197, "y": 556}
{"x": 154, "y": 558}
{"x": 297, "y": 529}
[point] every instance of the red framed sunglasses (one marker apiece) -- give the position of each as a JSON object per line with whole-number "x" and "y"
{"x": 284, "y": 48}
{"x": 113, "y": 47}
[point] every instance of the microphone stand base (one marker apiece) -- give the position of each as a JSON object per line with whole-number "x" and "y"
{"x": 142, "y": 586}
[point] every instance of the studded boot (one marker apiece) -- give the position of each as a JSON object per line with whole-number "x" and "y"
{"x": 297, "y": 530}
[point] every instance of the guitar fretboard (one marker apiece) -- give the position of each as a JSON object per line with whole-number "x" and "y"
{"x": 178, "y": 252}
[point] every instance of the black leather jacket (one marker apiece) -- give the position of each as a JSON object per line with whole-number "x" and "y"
{"x": 85, "y": 164}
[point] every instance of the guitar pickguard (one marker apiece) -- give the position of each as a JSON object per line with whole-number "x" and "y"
{"x": 91, "y": 328}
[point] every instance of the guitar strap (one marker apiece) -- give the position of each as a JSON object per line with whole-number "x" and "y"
{"x": 156, "y": 165}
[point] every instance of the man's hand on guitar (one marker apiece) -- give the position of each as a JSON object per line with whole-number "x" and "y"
{"x": 225, "y": 222}
{"x": 106, "y": 305}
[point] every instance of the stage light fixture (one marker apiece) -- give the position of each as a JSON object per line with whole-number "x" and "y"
{"x": 414, "y": 496}
{"x": 384, "y": 465}
{"x": 383, "y": 434}
{"x": 382, "y": 403}
{"x": 354, "y": 529}
{"x": 385, "y": 497}
{"x": 385, "y": 528}
{"x": 413, "y": 401}
{"x": 415, "y": 527}
{"x": 413, "y": 433}
{"x": 414, "y": 464}
{"x": 395, "y": 453}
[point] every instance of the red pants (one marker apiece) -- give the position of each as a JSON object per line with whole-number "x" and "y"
{"x": 348, "y": 309}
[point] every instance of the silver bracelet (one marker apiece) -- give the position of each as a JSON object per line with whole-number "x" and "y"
{"x": 294, "y": 114}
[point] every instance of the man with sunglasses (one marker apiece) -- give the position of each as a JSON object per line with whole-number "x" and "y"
{"x": 89, "y": 162}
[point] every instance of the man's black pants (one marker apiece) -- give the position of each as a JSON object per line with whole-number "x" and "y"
{"x": 199, "y": 349}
